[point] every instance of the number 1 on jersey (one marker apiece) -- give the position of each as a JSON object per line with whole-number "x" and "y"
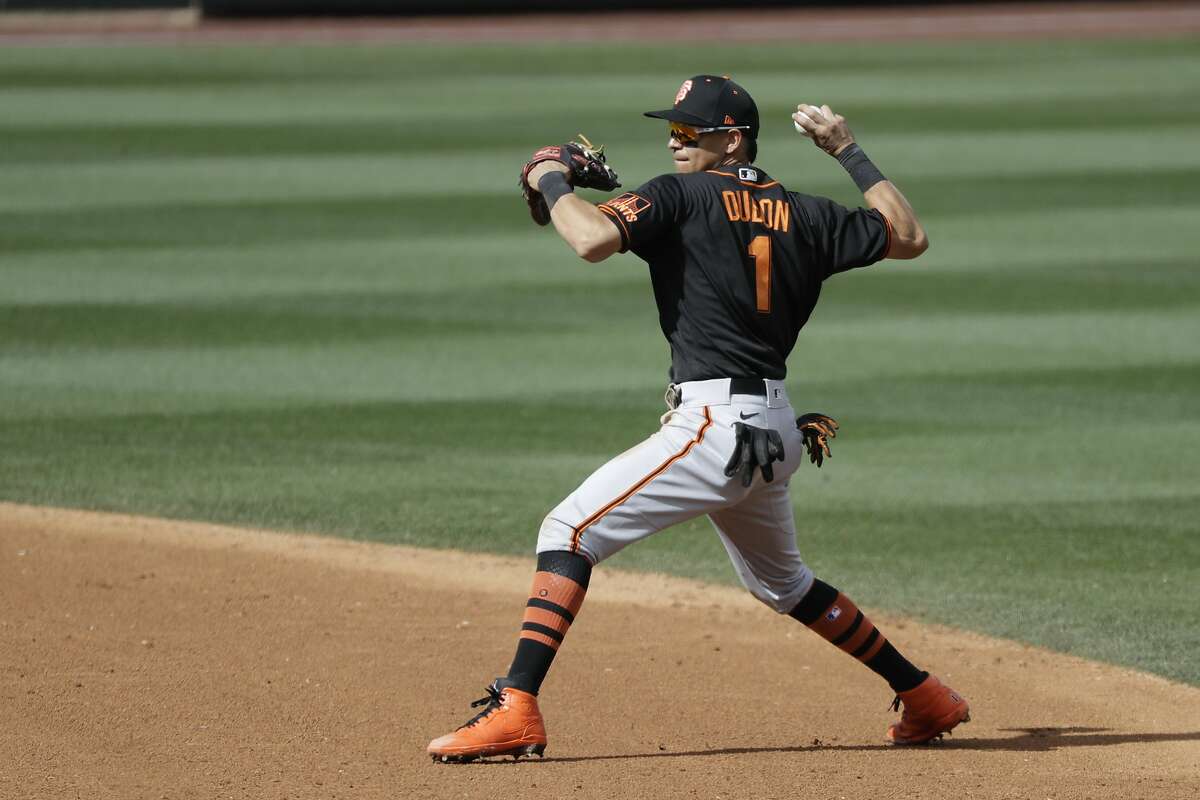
{"x": 760, "y": 251}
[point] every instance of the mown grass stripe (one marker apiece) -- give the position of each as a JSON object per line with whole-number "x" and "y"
{"x": 470, "y": 214}
{"x": 27, "y": 142}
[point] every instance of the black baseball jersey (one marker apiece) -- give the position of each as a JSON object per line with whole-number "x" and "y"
{"x": 737, "y": 263}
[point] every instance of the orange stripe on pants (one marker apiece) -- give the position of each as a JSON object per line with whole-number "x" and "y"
{"x": 660, "y": 469}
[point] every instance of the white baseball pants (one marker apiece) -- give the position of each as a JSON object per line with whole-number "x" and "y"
{"x": 679, "y": 473}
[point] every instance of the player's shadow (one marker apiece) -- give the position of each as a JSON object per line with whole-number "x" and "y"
{"x": 1038, "y": 740}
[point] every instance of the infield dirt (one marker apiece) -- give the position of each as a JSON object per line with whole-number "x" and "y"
{"x": 144, "y": 658}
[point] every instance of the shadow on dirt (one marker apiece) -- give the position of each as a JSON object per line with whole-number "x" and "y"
{"x": 1028, "y": 740}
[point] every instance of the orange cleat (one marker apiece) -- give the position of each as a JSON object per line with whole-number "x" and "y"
{"x": 509, "y": 725}
{"x": 930, "y": 710}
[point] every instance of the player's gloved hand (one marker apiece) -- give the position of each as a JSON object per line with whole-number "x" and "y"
{"x": 754, "y": 447}
{"x": 817, "y": 430}
{"x": 586, "y": 166}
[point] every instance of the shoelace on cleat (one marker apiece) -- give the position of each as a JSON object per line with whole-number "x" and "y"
{"x": 492, "y": 702}
{"x": 896, "y": 703}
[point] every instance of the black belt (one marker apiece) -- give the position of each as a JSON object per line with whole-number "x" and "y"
{"x": 748, "y": 386}
{"x": 754, "y": 386}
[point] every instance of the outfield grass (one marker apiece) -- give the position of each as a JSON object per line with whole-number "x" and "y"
{"x": 294, "y": 287}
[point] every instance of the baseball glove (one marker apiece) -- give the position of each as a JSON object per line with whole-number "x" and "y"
{"x": 588, "y": 169}
{"x": 754, "y": 447}
{"x": 817, "y": 430}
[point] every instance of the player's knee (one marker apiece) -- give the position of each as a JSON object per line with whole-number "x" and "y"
{"x": 774, "y": 602}
{"x": 781, "y": 596}
{"x": 555, "y": 535}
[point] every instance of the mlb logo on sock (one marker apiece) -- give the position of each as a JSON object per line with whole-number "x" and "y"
{"x": 833, "y": 614}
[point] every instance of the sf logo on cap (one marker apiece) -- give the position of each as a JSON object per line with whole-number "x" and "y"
{"x": 683, "y": 90}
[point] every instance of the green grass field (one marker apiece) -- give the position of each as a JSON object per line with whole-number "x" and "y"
{"x": 295, "y": 287}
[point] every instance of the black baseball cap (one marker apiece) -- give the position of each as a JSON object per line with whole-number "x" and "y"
{"x": 712, "y": 101}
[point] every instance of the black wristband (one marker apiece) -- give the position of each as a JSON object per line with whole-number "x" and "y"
{"x": 553, "y": 186}
{"x": 862, "y": 171}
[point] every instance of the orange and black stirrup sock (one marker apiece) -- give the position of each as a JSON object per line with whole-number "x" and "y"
{"x": 558, "y": 589}
{"x": 836, "y": 619}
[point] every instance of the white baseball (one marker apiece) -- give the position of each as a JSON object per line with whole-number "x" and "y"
{"x": 800, "y": 130}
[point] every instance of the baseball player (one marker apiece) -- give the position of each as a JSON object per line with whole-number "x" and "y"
{"x": 737, "y": 264}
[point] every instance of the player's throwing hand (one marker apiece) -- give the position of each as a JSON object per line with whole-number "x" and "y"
{"x": 827, "y": 129}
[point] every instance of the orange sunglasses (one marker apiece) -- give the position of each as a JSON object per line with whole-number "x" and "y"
{"x": 689, "y": 135}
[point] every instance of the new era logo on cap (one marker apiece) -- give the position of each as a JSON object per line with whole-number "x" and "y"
{"x": 729, "y": 120}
